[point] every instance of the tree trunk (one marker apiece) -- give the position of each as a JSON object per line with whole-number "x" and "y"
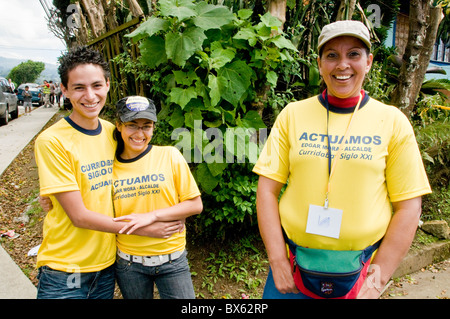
{"x": 423, "y": 23}
{"x": 345, "y": 11}
{"x": 277, "y": 8}
{"x": 425, "y": 54}
{"x": 135, "y": 8}
{"x": 95, "y": 14}
{"x": 110, "y": 14}
{"x": 82, "y": 31}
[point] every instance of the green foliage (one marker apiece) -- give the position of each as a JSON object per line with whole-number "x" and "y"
{"x": 241, "y": 262}
{"x": 212, "y": 70}
{"x": 434, "y": 143}
{"x": 432, "y": 129}
{"x": 233, "y": 202}
{"x": 26, "y": 72}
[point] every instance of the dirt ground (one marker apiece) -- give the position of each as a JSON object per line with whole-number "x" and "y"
{"x": 232, "y": 269}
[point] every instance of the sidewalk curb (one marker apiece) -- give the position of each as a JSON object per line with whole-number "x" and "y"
{"x": 416, "y": 260}
{"x": 14, "y": 284}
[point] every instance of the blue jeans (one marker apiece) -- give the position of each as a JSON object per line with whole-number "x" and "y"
{"x": 271, "y": 292}
{"x": 55, "y": 284}
{"x": 173, "y": 279}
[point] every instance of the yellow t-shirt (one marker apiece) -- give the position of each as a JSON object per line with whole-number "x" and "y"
{"x": 380, "y": 163}
{"x": 158, "y": 178}
{"x": 70, "y": 158}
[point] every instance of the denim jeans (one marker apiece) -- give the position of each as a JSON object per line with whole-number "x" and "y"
{"x": 55, "y": 284}
{"x": 271, "y": 292}
{"x": 173, "y": 279}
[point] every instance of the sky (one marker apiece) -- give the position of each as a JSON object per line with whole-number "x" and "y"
{"x": 24, "y": 33}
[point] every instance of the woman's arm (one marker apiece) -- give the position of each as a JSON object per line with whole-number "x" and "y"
{"x": 179, "y": 211}
{"x": 394, "y": 247}
{"x": 270, "y": 229}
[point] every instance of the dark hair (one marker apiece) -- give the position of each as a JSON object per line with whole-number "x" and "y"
{"x": 78, "y": 56}
{"x": 120, "y": 143}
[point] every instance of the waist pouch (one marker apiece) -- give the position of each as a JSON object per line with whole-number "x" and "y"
{"x": 321, "y": 273}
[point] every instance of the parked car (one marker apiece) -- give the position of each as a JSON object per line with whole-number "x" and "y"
{"x": 36, "y": 93}
{"x": 8, "y": 102}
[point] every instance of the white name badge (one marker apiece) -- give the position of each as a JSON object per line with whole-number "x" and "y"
{"x": 324, "y": 221}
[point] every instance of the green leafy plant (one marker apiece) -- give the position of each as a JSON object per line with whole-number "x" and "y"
{"x": 212, "y": 72}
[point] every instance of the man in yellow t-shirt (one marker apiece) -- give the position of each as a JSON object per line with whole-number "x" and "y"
{"x": 75, "y": 160}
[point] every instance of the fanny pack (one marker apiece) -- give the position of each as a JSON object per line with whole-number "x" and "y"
{"x": 322, "y": 273}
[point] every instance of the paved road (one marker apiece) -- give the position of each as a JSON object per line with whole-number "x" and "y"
{"x": 13, "y": 138}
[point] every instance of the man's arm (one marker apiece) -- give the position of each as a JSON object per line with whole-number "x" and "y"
{"x": 81, "y": 217}
{"x": 179, "y": 211}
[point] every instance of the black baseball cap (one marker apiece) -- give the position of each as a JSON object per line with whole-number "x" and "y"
{"x": 136, "y": 107}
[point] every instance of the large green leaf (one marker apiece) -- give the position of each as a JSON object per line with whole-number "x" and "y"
{"x": 211, "y": 16}
{"x": 182, "y": 9}
{"x": 220, "y": 56}
{"x": 181, "y": 46}
{"x": 253, "y": 120}
{"x": 148, "y": 28}
{"x": 237, "y": 76}
{"x": 182, "y": 96}
{"x": 283, "y": 43}
{"x": 191, "y": 116}
{"x": 185, "y": 78}
{"x": 247, "y": 34}
{"x": 177, "y": 118}
{"x": 153, "y": 51}
{"x": 217, "y": 85}
{"x": 206, "y": 180}
{"x": 270, "y": 21}
{"x": 272, "y": 78}
{"x": 216, "y": 169}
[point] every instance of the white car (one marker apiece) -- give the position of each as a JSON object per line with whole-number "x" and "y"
{"x": 8, "y": 102}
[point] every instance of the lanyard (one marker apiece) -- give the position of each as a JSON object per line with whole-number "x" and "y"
{"x": 332, "y": 164}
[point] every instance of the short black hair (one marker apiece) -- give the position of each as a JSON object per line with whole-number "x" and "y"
{"x": 78, "y": 56}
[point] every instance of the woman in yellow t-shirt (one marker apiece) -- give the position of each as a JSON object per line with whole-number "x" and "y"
{"x": 156, "y": 180}
{"x": 343, "y": 157}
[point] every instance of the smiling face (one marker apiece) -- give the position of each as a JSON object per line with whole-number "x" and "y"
{"x": 343, "y": 64}
{"x": 87, "y": 89}
{"x": 136, "y": 135}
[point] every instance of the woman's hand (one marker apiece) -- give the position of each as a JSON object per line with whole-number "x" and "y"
{"x": 135, "y": 221}
{"x": 283, "y": 278}
{"x": 46, "y": 203}
{"x": 162, "y": 229}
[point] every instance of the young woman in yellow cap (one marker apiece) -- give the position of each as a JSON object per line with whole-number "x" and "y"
{"x": 151, "y": 183}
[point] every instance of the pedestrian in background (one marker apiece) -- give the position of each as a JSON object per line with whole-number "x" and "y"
{"x": 52, "y": 92}
{"x": 27, "y": 100}
{"x": 12, "y": 85}
{"x": 46, "y": 92}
